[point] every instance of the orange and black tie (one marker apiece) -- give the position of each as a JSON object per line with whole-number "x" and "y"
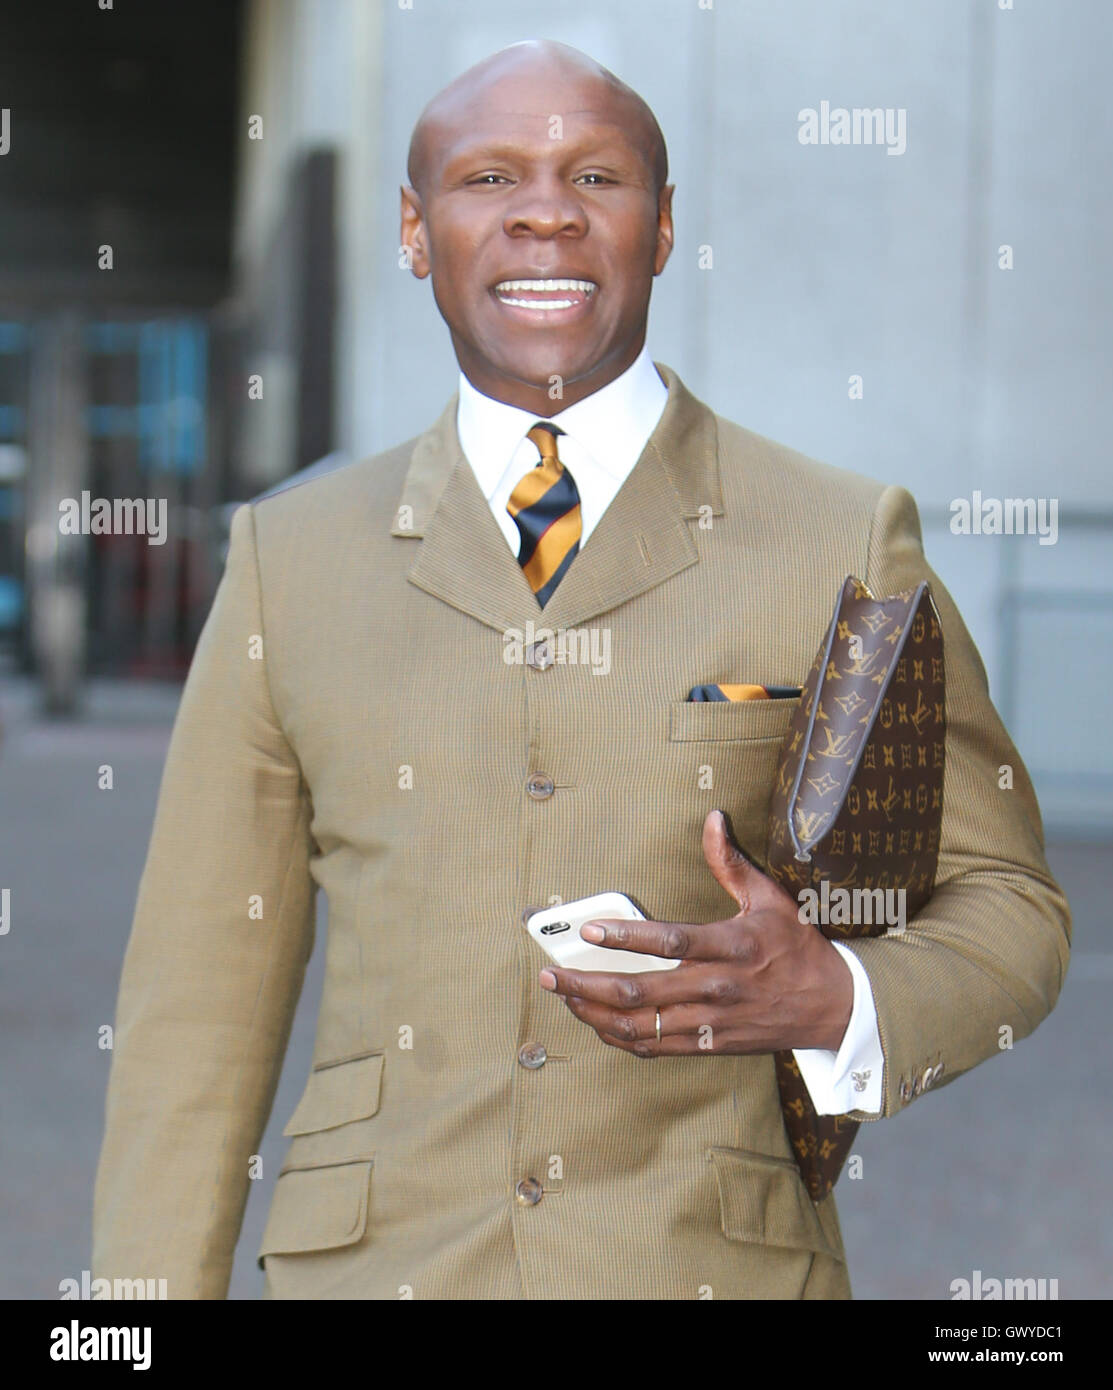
{"x": 545, "y": 506}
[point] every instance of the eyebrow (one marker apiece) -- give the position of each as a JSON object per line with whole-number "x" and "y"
{"x": 574, "y": 149}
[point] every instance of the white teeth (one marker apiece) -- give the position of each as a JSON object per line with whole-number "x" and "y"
{"x": 543, "y": 304}
{"x": 540, "y": 286}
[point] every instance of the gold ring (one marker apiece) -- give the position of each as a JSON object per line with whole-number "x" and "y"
{"x": 658, "y": 1025}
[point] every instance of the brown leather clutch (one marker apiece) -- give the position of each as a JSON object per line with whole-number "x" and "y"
{"x": 857, "y": 806}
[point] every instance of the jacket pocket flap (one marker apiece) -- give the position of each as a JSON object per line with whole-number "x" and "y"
{"x": 730, "y": 719}
{"x": 317, "y": 1208}
{"x": 337, "y": 1094}
{"x": 764, "y": 1200}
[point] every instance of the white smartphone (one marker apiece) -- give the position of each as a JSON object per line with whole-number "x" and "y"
{"x": 557, "y": 931}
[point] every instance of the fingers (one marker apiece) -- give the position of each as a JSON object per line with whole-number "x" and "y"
{"x": 623, "y": 992}
{"x": 732, "y": 866}
{"x": 673, "y": 940}
{"x": 717, "y": 828}
{"x": 677, "y": 1020}
{"x": 680, "y": 1045}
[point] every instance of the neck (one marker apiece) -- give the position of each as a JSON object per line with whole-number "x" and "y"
{"x": 535, "y": 397}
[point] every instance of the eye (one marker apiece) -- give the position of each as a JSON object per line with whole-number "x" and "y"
{"x": 600, "y": 177}
{"x": 481, "y": 181}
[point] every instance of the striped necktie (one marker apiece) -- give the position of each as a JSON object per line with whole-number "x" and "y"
{"x": 545, "y": 506}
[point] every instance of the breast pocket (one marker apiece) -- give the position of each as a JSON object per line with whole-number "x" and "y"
{"x": 725, "y": 753}
{"x": 716, "y": 721}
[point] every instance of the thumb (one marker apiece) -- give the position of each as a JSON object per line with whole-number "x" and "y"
{"x": 731, "y": 865}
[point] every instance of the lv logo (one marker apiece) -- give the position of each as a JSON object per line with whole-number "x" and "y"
{"x": 838, "y": 745}
{"x": 809, "y": 823}
{"x": 920, "y": 714}
{"x": 864, "y": 664}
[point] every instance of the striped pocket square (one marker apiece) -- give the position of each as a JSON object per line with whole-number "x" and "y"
{"x": 744, "y": 692}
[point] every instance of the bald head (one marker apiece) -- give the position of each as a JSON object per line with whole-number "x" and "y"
{"x": 539, "y": 204}
{"x": 552, "y": 66}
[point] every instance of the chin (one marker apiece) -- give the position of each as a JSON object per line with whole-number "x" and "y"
{"x": 538, "y": 367}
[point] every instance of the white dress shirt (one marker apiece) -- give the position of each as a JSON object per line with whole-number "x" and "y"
{"x": 604, "y": 436}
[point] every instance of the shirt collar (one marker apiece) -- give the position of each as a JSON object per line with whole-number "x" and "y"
{"x": 612, "y": 424}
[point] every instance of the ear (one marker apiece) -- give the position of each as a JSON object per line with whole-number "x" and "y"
{"x": 664, "y": 228}
{"x": 413, "y": 236}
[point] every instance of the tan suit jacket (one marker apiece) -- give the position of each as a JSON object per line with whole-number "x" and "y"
{"x": 351, "y": 722}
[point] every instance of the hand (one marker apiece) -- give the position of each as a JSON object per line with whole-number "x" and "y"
{"x": 760, "y": 981}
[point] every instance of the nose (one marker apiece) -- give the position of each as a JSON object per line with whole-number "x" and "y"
{"x": 545, "y": 209}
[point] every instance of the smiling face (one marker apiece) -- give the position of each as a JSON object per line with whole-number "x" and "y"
{"x": 538, "y": 212}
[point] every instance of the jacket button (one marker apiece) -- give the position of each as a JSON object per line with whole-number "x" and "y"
{"x": 539, "y": 786}
{"x": 528, "y": 1192}
{"x": 539, "y": 655}
{"x": 533, "y": 1055}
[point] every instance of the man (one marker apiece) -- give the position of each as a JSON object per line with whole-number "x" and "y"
{"x": 357, "y": 717}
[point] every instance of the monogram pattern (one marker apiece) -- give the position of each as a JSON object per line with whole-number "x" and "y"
{"x": 858, "y": 800}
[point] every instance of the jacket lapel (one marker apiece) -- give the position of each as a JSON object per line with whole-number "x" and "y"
{"x": 641, "y": 540}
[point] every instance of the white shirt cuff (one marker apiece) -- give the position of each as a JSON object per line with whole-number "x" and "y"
{"x": 849, "y": 1079}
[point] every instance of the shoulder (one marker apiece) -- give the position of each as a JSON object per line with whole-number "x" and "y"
{"x": 364, "y": 484}
{"x": 770, "y": 476}
{"x": 356, "y": 500}
{"x": 780, "y": 472}
{"x": 792, "y": 493}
